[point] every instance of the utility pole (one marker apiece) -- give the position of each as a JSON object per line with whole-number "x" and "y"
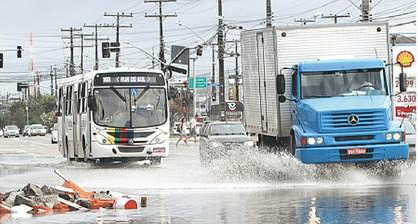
{"x": 161, "y": 16}
{"x": 71, "y": 30}
{"x": 213, "y": 74}
{"x": 56, "y": 81}
{"x": 335, "y": 17}
{"x": 118, "y": 26}
{"x": 268, "y": 13}
{"x": 304, "y": 21}
{"x": 52, "y": 80}
{"x": 221, "y": 49}
{"x": 96, "y": 45}
{"x": 236, "y": 72}
{"x": 365, "y": 11}
{"x": 82, "y": 35}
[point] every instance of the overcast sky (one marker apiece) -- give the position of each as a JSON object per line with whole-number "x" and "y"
{"x": 45, "y": 18}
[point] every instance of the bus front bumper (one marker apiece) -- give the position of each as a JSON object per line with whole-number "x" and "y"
{"x": 338, "y": 154}
{"x": 129, "y": 151}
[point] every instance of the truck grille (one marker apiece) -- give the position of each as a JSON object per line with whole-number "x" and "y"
{"x": 354, "y": 138}
{"x": 367, "y": 120}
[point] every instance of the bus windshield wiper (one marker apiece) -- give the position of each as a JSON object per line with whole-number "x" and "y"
{"x": 141, "y": 94}
{"x": 118, "y": 94}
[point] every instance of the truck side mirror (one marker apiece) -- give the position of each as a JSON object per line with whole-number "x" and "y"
{"x": 280, "y": 84}
{"x": 91, "y": 102}
{"x": 402, "y": 82}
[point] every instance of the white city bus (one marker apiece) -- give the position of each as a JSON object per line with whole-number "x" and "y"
{"x": 115, "y": 114}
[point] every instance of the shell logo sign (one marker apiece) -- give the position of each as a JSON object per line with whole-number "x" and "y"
{"x": 405, "y": 58}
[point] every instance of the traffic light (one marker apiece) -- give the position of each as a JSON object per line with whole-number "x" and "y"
{"x": 19, "y": 51}
{"x": 19, "y": 87}
{"x": 199, "y": 50}
{"x": 105, "y": 50}
{"x": 1, "y": 60}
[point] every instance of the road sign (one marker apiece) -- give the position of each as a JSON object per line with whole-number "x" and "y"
{"x": 200, "y": 82}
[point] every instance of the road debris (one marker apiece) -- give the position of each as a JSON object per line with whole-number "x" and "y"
{"x": 35, "y": 200}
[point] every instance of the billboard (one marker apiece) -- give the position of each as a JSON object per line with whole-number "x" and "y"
{"x": 404, "y": 103}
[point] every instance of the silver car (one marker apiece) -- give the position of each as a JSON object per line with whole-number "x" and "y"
{"x": 218, "y": 138}
{"x": 37, "y": 129}
{"x": 11, "y": 130}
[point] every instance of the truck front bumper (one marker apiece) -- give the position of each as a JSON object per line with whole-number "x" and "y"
{"x": 338, "y": 154}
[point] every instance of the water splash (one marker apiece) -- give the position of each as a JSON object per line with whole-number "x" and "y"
{"x": 260, "y": 165}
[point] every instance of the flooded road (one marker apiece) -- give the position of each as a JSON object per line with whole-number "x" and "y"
{"x": 245, "y": 187}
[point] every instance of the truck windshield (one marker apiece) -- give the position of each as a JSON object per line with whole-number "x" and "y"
{"x": 343, "y": 83}
{"x": 130, "y": 107}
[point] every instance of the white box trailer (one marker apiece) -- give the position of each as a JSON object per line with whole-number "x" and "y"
{"x": 264, "y": 52}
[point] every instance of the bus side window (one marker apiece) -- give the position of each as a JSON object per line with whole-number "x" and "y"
{"x": 79, "y": 96}
{"x": 83, "y": 96}
{"x": 67, "y": 95}
{"x": 70, "y": 99}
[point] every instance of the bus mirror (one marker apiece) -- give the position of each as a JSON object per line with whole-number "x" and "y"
{"x": 402, "y": 82}
{"x": 91, "y": 102}
{"x": 280, "y": 84}
{"x": 282, "y": 99}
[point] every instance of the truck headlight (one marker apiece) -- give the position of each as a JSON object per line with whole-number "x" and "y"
{"x": 249, "y": 143}
{"x": 396, "y": 136}
{"x": 319, "y": 140}
{"x": 389, "y": 136}
{"x": 311, "y": 141}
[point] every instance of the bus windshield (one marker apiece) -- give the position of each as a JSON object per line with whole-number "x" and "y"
{"x": 343, "y": 83}
{"x": 130, "y": 107}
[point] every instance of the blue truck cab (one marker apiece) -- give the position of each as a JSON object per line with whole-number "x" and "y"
{"x": 342, "y": 112}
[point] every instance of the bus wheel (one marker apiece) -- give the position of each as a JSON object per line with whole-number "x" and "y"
{"x": 155, "y": 160}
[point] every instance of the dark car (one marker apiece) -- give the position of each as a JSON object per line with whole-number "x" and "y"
{"x": 218, "y": 138}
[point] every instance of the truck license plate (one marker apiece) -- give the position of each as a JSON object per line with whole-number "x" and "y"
{"x": 356, "y": 151}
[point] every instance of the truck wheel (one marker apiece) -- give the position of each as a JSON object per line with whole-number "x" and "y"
{"x": 293, "y": 145}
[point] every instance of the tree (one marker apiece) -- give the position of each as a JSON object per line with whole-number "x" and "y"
{"x": 41, "y": 111}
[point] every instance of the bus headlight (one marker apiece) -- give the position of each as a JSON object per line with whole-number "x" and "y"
{"x": 311, "y": 141}
{"x": 158, "y": 139}
{"x": 389, "y": 136}
{"x": 396, "y": 136}
{"x": 102, "y": 140}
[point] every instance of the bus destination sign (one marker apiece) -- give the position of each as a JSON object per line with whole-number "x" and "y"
{"x": 128, "y": 79}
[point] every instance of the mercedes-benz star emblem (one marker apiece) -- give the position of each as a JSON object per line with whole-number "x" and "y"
{"x": 353, "y": 119}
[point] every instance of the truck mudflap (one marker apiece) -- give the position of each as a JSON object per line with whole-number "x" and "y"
{"x": 353, "y": 154}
